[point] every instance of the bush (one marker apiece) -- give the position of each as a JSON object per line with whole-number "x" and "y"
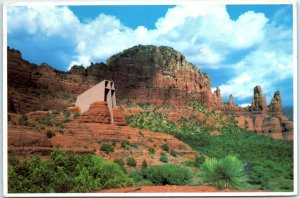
{"x": 151, "y": 150}
{"x": 164, "y": 158}
{"x": 173, "y": 153}
{"x": 141, "y": 133}
{"x": 144, "y": 164}
{"x": 131, "y": 162}
{"x": 50, "y": 134}
{"x": 165, "y": 147}
{"x": 168, "y": 174}
{"x": 65, "y": 173}
{"x": 47, "y": 120}
{"x": 67, "y": 117}
{"x": 107, "y": 148}
{"x": 23, "y": 120}
{"x": 76, "y": 115}
{"x": 121, "y": 163}
{"x": 225, "y": 173}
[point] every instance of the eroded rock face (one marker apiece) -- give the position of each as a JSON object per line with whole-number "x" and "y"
{"x": 217, "y": 96}
{"x": 144, "y": 74}
{"x": 119, "y": 117}
{"x": 259, "y": 101}
{"x": 97, "y": 113}
{"x": 230, "y": 100}
{"x": 276, "y": 103}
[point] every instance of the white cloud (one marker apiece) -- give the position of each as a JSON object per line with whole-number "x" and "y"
{"x": 204, "y": 34}
{"x": 46, "y": 21}
{"x": 187, "y": 28}
{"x": 244, "y": 104}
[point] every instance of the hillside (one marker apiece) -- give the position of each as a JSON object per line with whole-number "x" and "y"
{"x": 142, "y": 75}
{"x": 168, "y": 126}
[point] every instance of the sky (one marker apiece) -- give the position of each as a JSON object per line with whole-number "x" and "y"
{"x": 238, "y": 46}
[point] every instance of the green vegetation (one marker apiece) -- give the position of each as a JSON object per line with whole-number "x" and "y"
{"x": 76, "y": 115}
{"x": 225, "y": 173}
{"x": 168, "y": 174}
{"x": 151, "y": 150}
{"x": 107, "y": 148}
{"x": 121, "y": 164}
{"x": 50, "y": 134}
{"x": 165, "y": 147}
{"x": 144, "y": 164}
{"x": 64, "y": 173}
{"x": 131, "y": 162}
{"x": 269, "y": 161}
{"x": 163, "y": 158}
{"x": 23, "y": 120}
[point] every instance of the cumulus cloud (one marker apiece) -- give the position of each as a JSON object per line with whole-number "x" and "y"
{"x": 205, "y": 34}
{"x": 188, "y": 28}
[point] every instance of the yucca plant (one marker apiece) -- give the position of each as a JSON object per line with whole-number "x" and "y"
{"x": 225, "y": 173}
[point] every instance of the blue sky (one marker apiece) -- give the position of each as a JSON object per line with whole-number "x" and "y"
{"x": 239, "y": 46}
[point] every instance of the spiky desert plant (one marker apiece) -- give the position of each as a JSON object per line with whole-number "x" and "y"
{"x": 225, "y": 173}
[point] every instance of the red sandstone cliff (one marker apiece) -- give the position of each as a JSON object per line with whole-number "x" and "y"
{"x": 143, "y": 74}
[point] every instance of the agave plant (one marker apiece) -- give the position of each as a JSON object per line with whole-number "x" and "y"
{"x": 225, "y": 173}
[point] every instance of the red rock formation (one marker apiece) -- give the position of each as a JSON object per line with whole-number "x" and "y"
{"x": 72, "y": 109}
{"x": 142, "y": 74}
{"x": 88, "y": 137}
{"x": 276, "y": 103}
{"x": 119, "y": 118}
{"x": 258, "y": 102}
{"x": 217, "y": 97}
{"x": 97, "y": 113}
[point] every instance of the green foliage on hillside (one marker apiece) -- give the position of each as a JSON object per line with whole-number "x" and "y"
{"x": 268, "y": 162}
{"x": 64, "y": 173}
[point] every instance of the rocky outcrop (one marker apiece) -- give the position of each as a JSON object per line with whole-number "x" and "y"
{"x": 88, "y": 138}
{"x": 97, "y": 113}
{"x": 119, "y": 118}
{"x": 230, "y": 100}
{"x": 259, "y": 101}
{"x": 142, "y": 74}
{"x": 217, "y": 96}
{"x": 263, "y": 120}
{"x": 276, "y": 103}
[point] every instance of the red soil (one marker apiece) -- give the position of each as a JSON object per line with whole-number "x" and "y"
{"x": 168, "y": 189}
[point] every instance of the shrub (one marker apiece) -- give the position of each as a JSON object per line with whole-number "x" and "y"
{"x": 47, "y": 120}
{"x": 67, "y": 117}
{"x": 225, "y": 173}
{"x": 164, "y": 158}
{"x": 107, "y": 148}
{"x": 124, "y": 143}
{"x": 151, "y": 150}
{"x": 121, "y": 164}
{"x": 65, "y": 173}
{"x": 76, "y": 115}
{"x": 50, "y": 134}
{"x": 131, "y": 162}
{"x": 144, "y": 164}
{"x": 199, "y": 161}
{"x": 23, "y": 120}
{"x": 173, "y": 153}
{"x": 168, "y": 174}
{"x": 141, "y": 133}
{"x": 165, "y": 147}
